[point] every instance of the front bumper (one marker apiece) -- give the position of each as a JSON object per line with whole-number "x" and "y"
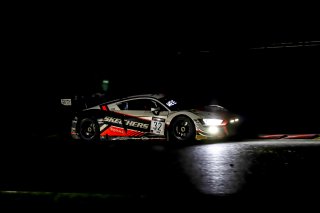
{"x": 223, "y": 131}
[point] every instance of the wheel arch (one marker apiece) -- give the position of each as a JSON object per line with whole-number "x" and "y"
{"x": 172, "y": 116}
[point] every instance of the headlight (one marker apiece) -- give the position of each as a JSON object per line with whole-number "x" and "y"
{"x": 234, "y": 120}
{"x": 213, "y": 130}
{"x": 212, "y": 122}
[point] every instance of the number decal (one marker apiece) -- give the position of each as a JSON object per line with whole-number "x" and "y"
{"x": 157, "y": 126}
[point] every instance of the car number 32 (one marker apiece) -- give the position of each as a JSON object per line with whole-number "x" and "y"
{"x": 157, "y": 126}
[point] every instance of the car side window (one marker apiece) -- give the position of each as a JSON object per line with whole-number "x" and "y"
{"x": 123, "y": 105}
{"x": 140, "y": 104}
{"x": 156, "y": 104}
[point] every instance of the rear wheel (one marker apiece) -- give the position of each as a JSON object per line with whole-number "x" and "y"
{"x": 89, "y": 129}
{"x": 182, "y": 129}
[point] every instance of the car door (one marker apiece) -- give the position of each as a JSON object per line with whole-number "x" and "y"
{"x": 143, "y": 115}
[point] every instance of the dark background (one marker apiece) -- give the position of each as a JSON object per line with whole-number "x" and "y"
{"x": 224, "y": 57}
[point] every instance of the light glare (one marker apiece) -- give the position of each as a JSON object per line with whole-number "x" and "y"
{"x": 213, "y": 122}
{"x": 213, "y": 130}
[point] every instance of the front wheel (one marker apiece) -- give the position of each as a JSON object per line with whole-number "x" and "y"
{"x": 182, "y": 128}
{"x": 89, "y": 129}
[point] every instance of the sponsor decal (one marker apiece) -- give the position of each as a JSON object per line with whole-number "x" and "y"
{"x": 118, "y": 131}
{"x": 126, "y": 122}
{"x": 171, "y": 103}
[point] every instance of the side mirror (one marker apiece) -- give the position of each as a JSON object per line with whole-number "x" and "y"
{"x": 156, "y": 110}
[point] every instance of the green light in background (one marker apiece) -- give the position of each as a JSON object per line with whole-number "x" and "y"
{"x": 105, "y": 85}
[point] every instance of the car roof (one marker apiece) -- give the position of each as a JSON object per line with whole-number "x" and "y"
{"x": 155, "y": 96}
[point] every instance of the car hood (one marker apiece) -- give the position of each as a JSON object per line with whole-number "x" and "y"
{"x": 212, "y": 114}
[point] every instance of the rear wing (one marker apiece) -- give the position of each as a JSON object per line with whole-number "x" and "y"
{"x": 74, "y": 104}
{"x": 66, "y": 101}
{"x": 78, "y": 103}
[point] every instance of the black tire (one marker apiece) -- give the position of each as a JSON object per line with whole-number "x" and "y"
{"x": 182, "y": 129}
{"x": 89, "y": 130}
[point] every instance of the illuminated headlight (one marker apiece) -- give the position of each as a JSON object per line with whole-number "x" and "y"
{"x": 213, "y": 130}
{"x": 212, "y": 122}
{"x": 234, "y": 120}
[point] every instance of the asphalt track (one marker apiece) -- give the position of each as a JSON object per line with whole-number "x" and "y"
{"x": 263, "y": 170}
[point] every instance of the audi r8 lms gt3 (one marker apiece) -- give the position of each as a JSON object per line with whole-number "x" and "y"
{"x": 152, "y": 116}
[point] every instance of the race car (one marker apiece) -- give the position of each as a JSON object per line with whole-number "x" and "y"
{"x": 153, "y": 116}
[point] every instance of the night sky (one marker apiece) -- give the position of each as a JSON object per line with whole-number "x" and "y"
{"x": 208, "y": 59}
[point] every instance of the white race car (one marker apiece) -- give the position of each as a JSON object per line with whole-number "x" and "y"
{"x": 152, "y": 116}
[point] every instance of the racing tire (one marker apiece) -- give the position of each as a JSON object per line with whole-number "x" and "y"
{"x": 182, "y": 129}
{"x": 89, "y": 130}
